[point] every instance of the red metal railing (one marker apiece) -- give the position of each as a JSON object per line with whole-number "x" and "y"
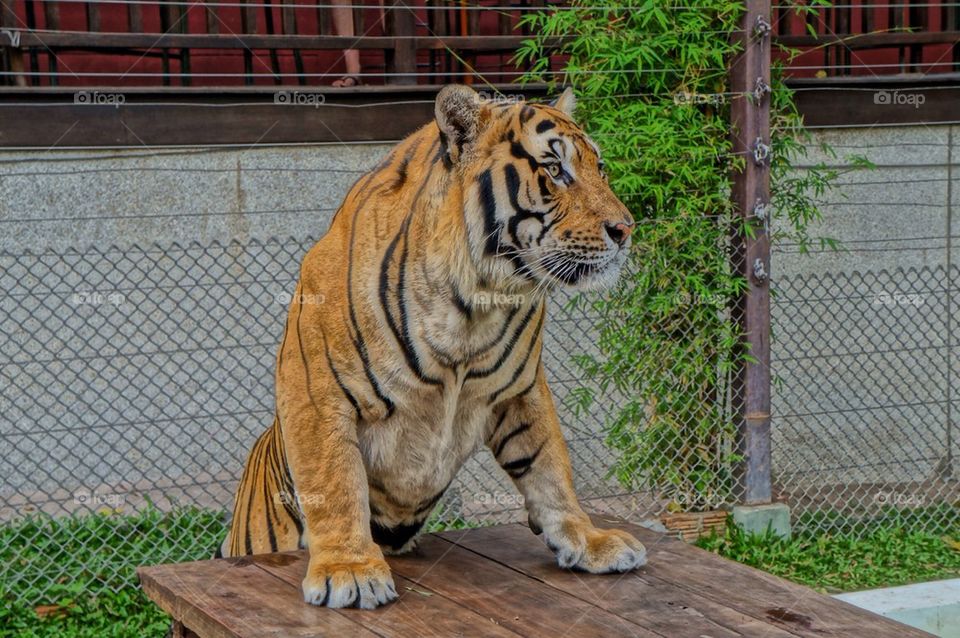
{"x": 293, "y": 42}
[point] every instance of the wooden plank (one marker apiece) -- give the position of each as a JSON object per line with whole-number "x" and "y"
{"x": 418, "y": 610}
{"x": 512, "y": 600}
{"x": 107, "y": 40}
{"x": 402, "y": 55}
{"x": 790, "y": 606}
{"x": 104, "y": 40}
{"x": 650, "y": 601}
{"x": 232, "y": 598}
{"x": 38, "y": 116}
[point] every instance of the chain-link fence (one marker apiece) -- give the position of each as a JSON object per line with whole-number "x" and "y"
{"x": 865, "y": 401}
{"x": 140, "y": 377}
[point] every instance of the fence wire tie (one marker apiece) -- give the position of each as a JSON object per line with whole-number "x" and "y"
{"x": 761, "y": 212}
{"x": 762, "y": 28}
{"x": 761, "y": 89}
{"x": 761, "y": 152}
{"x": 759, "y": 272}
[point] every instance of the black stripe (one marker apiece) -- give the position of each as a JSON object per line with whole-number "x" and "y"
{"x": 268, "y": 511}
{"x": 444, "y": 152}
{"x": 394, "y": 537}
{"x": 479, "y": 352}
{"x": 488, "y": 201}
{"x": 544, "y": 190}
{"x": 402, "y": 167}
{"x": 357, "y": 340}
{"x": 339, "y": 380}
{"x": 429, "y": 504}
{"x": 518, "y": 469}
{"x": 519, "y": 151}
{"x": 235, "y": 539}
{"x": 532, "y": 383}
{"x": 409, "y": 349}
{"x": 508, "y": 349}
{"x": 545, "y": 126}
{"x": 460, "y": 303}
{"x": 519, "y": 370}
{"x": 527, "y": 113}
{"x": 255, "y": 457}
{"x": 523, "y": 427}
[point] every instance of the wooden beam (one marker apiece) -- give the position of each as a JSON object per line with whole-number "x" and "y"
{"x": 42, "y": 116}
{"x": 84, "y": 40}
{"x": 870, "y": 40}
{"x": 750, "y": 129}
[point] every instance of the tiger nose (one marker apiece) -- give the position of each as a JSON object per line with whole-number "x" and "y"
{"x": 618, "y": 232}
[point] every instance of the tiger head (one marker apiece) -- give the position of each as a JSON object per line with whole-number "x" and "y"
{"x": 539, "y": 211}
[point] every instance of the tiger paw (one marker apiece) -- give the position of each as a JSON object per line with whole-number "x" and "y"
{"x": 598, "y": 551}
{"x": 366, "y": 584}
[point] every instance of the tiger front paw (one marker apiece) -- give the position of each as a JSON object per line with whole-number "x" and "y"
{"x": 598, "y": 551}
{"x": 365, "y": 584}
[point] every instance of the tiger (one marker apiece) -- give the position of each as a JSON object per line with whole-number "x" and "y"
{"x": 415, "y": 337}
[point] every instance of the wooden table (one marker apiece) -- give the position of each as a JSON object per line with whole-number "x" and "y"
{"x": 503, "y": 581}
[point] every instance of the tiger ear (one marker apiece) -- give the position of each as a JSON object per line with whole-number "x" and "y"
{"x": 457, "y": 111}
{"x": 567, "y": 102}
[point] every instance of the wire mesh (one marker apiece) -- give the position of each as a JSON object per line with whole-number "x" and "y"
{"x": 139, "y": 377}
{"x": 864, "y": 408}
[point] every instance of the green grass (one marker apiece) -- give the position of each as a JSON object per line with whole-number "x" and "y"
{"x": 882, "y": 557}
{"x": 84, "y": 567}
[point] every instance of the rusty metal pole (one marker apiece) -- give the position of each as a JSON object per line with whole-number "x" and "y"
{"x": 750, "y": 120}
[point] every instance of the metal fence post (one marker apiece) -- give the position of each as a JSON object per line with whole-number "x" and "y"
{"x": 750, "y": 125}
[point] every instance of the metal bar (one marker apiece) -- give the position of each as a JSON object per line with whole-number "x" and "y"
{"x": 750, "y": 130}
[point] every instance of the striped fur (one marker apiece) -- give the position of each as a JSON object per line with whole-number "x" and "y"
{"x": 415, "y": 335}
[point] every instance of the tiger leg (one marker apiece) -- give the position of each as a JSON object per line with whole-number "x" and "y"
{"x": 529, "y": 446}
{"x": 265, "y": 514}
{"x": 346, "y": 566}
